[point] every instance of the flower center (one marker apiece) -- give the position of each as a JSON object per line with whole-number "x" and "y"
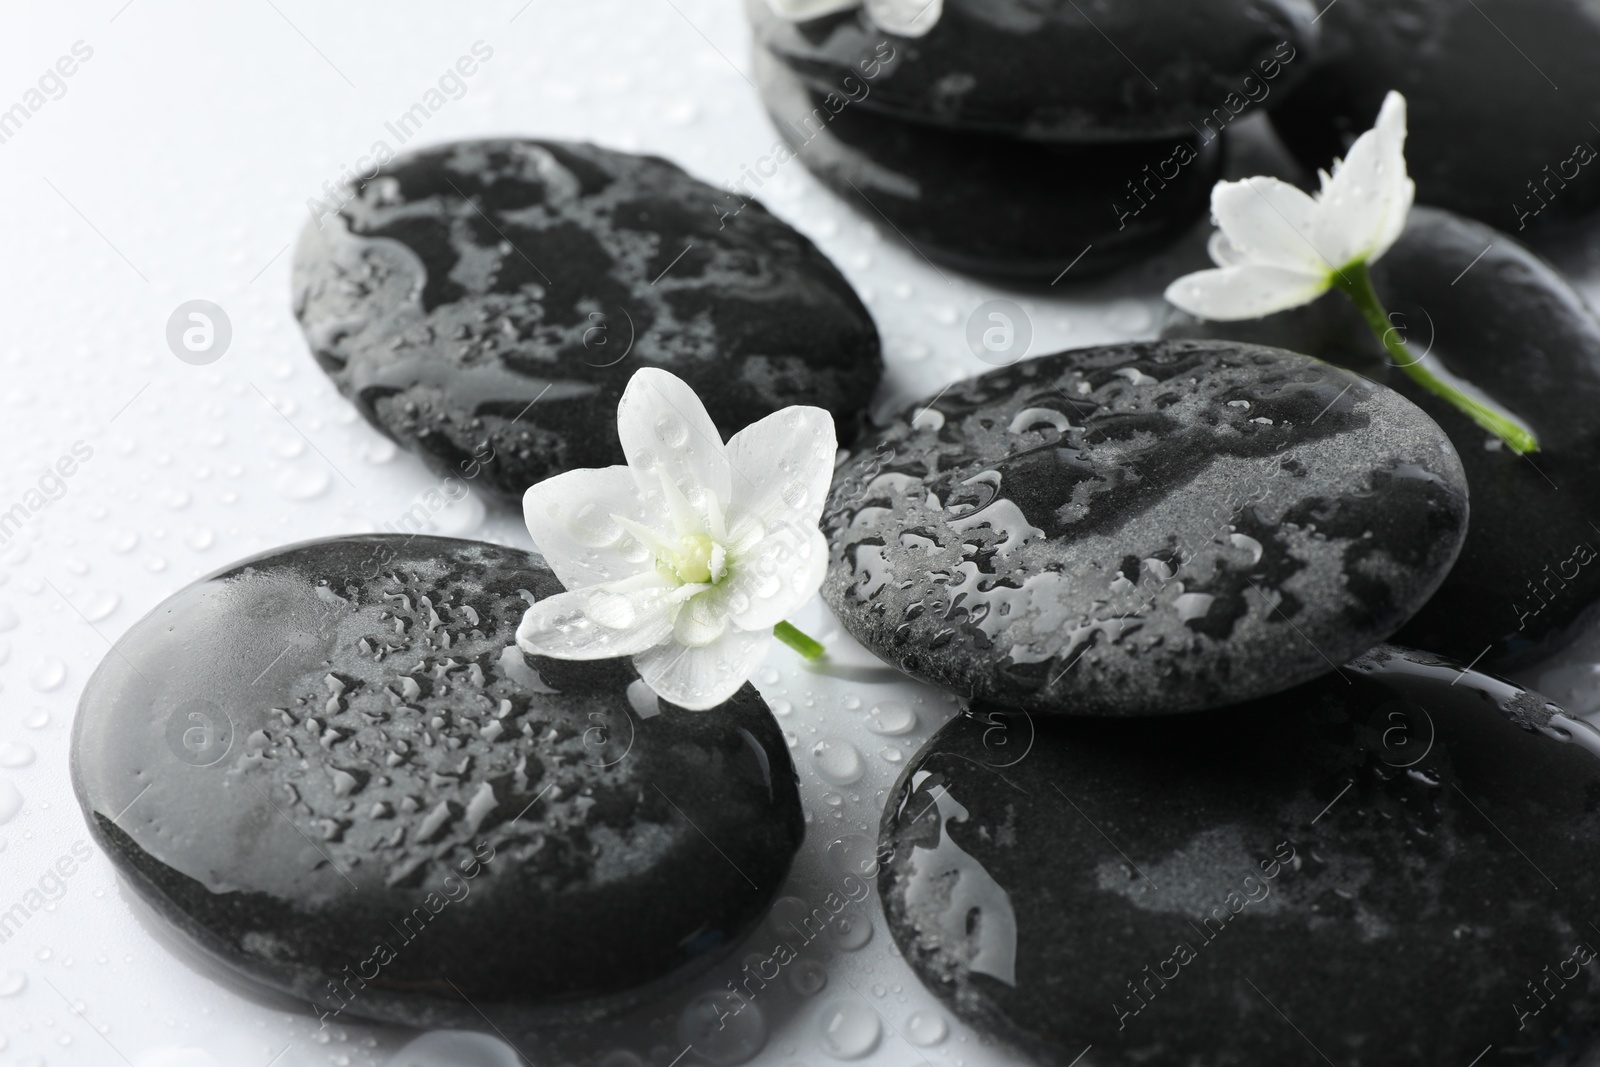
{"x": 696, "y": 559}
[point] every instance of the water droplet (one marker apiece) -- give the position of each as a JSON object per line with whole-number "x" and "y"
{"x": 8, "y": 618}
{"x": 891, "y": 719}
{"x": 124, "y": 542}
{"x": 854, "y": 854}
{"x": 851, "y": 932}
{"x": 837, "y": 760}
{"x": 12, "y": 983}
{"x": 297, "y": 484}
{"x": 456, "y": 1048}
{"x": 48, "y": 674}
{"x": 38, "y": 720}
{"x": 808, "y": 977}
{"x": 378, "y": 451}
{"x": 15, "y": 754}
{"x": 672, "y": 431}
{"x": 101, "y": 604}
{"x": 201, "y": 538}
{"x": 926, "y": 1028}
{"x": 893, "y": 755}
{"x": 10, "y": 801}
{"x": 850, "y": 1030}
{"x": 723, "y": 1029}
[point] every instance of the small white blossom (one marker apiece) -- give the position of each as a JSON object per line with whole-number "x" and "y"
{"x": 903, "y": 18}
{"x": 1278, "y": 248}
{"x": 688, "y": 556}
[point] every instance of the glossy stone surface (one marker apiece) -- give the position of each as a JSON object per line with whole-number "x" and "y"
{"x": 1392, "y": 866}
{"x": 992, "y": 204}
{"x": 1054, "y": 69}
{"x": 485, "y": 302}
{"x": 1515, "y": 328}
{"x": 331, "y": 768}
{"x": 1142, "y": 529}
{"x": 1500, "y": 92}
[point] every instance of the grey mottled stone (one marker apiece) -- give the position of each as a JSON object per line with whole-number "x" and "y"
{"x": 330, "y": 767}
{"x": 1055, "y": 69}
{"x": 1393, "y": 868}
{"x": 1515, "y": 328}
{"x": 1500, "y": 96}
{"x": 993, "y": 204}
{"x": 484, "y": 303}
{"x": 1142, "y": 529}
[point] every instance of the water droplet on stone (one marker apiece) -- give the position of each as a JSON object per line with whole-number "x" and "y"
{"x": 850, "y": 1030}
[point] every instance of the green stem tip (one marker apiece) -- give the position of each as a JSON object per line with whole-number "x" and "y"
{"x": 800, "y": 642}
{"x": 1354, "y": 281}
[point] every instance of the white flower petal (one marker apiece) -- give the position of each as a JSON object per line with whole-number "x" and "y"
{"x": 801, "y": 10}
{"x": 664, "y": 428}
{"x": 1268, "y": 221}
{"x": 702, "y": 619}
{"x": 1248, "y": 292}
{"x": 905, "y": 18}
{"x": 701, "y": 678}
{"x": 1222, "y": 252}
{"x": 777, "y": 577}
{"x": 782, "y": 467}
{"x": 570, "y": 519}
{"x": 596, "y": 623}
{"x": 1363, "y": 205}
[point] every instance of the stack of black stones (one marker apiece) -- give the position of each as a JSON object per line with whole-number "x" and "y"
{"x": 1197, "y": 809}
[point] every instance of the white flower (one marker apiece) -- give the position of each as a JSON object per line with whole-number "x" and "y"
{"x": 688, "y": 556}
{"x": 1279, "y": 248}
{"x": 903, "y": 18}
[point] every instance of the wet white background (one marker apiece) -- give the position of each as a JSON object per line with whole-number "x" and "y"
{"x": 176, "y": 166}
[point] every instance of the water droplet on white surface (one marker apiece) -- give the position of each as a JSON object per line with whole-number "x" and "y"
{"x": 201, "y": 538}
{"x": 854, "y": 854}
{"x": 891, "y": 718}
{"x": 926, "y": 1028}
{"x": 124, "y": 542}
{"x": 850, "y": 1030}
{"x": 38, "y": 720}
{"x": 808, "y": 977}
{"x": 892, "y": 755}
{"x": 723, "y": 1029}
{"x": 15, "y": 754}
{"x": 296, "y": 484}
{"x": 378, "y": 451}
{"x": 10, "y": 801}
{"x": 8, "y": 618}
{"x": 456, "y": 1048}
{"x": 851, "y": 932}
{"x": 837, "y": 760}
{"x": 101, "y": 605}
{"x": 48, "y": 674}
{"x": 12, "y": 982}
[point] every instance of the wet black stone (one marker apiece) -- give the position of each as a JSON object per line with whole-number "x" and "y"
{"x": 484, "y": 303}
{"x": 1498, "y": 90}
{"x": 993, "y": 204}
{"x": 1368, "y": 870}
{"x": 1142, "y": 529}
{"x": 323, "y": 766}
{"x": 1515, "y": 328}
{"x": 1055, "y": 69}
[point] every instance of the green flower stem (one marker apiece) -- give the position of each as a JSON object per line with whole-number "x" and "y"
{"x": 798, "y": 641}
{"x": 1356, "y": 283}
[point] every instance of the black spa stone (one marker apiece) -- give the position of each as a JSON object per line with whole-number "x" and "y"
{"x": 1501, "y": 101}
{"x": 1055, "y": 69}
{"x": 991, "y": 204}
{"x": 1142, "y": 529}
{"x": 331, "y": 768}
{"x": 1389, "y": 866}
{"x": 1511, "y": 325}
{"x": 484, "y": 303}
